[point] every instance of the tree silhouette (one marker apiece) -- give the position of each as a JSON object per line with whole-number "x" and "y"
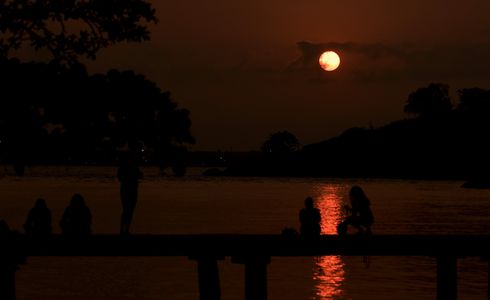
{"x": 56, "y": 109}
{"x": 282, "y": 142}
{"x": 72, "y": 29}
{"x": 138, "y": 114}
{"x": 67, "y": 115}
{"x": 134, "y": 113}
{"x": 21, "y": 114}
{"x": 429, "y": 102}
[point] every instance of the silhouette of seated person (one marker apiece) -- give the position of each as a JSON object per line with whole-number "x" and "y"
{"x": 76, "y": 219}
{"x": 360, "y": 215}
{"x": 309, "y": 218}
{"x": 128, "y": 175}
{"x": 38, "y": 222}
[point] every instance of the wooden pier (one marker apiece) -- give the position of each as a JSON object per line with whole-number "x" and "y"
{"x": 253, "y": 251}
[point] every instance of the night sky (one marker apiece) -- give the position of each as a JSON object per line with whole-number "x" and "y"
{"x": 240, "y": 68}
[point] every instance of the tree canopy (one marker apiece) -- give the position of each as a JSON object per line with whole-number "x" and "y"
{"x": 429, "y": 102}
{"x": 56, "y": 112}
{"x": 282, "y": 142}
{"x": 72, "y": 29}
{"x": 67, "y": 113}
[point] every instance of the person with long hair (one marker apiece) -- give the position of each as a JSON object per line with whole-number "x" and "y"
{"x": 360, "y": 215}
{"x": 77, "y": 218}
{"x": 38, "y": 222}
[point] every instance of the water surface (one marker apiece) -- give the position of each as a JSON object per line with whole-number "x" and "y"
{"x": 245, "y": 205}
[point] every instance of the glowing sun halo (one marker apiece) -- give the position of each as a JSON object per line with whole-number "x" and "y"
{"x": 329, "y": 61}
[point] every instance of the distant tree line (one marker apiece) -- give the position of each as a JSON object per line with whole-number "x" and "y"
{"x": 55, "y": 112}
{"x": 440, "y": 140}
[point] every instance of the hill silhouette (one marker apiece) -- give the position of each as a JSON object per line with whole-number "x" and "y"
{"x": 439, "y": 141}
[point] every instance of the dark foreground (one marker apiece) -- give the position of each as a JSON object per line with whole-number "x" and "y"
{"x": 254, "y": 251}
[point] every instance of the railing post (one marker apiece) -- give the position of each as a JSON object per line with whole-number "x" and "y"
{"x": 488, "y": 279}
{"x": 208, "y": 276}
{"x": 7, "y": 282}
{"x": 447, "y": 278}
{"x": 255, "y": 276}
{"x": 11, "y": 256}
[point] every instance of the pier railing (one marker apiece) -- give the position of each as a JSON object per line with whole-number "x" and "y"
{"x": 254, "y": 251}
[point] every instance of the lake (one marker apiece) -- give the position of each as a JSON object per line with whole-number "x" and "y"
{"x": 196, "y": 204}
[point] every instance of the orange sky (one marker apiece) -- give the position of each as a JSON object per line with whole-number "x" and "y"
{"x": 237, "y": 67}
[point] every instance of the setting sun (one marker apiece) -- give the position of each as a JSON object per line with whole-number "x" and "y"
{"x": 329, "y": 61}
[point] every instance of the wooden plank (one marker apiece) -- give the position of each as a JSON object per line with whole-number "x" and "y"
{"x": 246, "y": 249}
{"x": 269, "y": 245}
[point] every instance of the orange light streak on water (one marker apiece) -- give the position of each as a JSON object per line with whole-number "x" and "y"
{"x": 329, "y": 273}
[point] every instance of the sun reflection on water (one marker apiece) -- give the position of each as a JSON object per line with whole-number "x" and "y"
{"x": 329, "y": 273}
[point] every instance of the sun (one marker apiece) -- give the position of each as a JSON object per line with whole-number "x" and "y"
{"x": 329, "y": 61}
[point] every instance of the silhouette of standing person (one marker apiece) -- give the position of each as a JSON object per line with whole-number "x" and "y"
{"x": 310, "y": 218}
{"x": 129, "y": 175}
{"x": 38, "y": 222}
{"x": 361, "y": 217}
{"x": 77, "y": 218}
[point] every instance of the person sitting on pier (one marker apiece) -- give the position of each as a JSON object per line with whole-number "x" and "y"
{"x": 77, "y": 219}
{"x": 310, "y": 218}
{"x": 38, "y": 222}
{"x": 360, "y": 214}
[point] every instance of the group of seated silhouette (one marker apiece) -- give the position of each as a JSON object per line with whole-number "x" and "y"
{"x": 76, "y": 219}
{"x": 358, "y": 215}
